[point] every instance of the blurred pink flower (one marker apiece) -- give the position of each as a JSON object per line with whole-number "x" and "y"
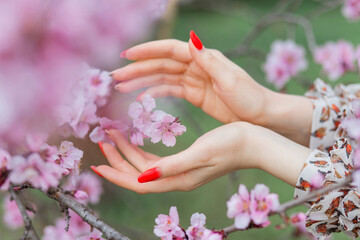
{"x": 69, "y": 158}
{"x": 94, "y": 235}
{"x": 211, "y": 235}
{"x": 36, "y": 171}
{"x": 36, "y": 141}
{"x": 285, "y": 60}
{"x": 351, "y": 9}
{"x": 81, "y": 195}
{"x": 98, "y": 133}
{"x": 239, "y": 208}
{"x": 12, "y": 215}
{"x": 335, "y": 58}
{"x": 88, "y": 183}
{"x": 168, "y": 227}
{"x": 298, "y": 220}
{"x": 262, "y": 203}
{"x": 197, "y": 228}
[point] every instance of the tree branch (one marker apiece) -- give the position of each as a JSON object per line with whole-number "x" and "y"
{"x": 30, "y": 232}
{"x": 85, "y": 213}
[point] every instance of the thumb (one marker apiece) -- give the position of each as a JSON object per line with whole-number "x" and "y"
{"x": 208, "y": 61}
{"x": 173, "y": 165}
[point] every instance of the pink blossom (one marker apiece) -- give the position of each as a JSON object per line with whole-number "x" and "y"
{"x": 36, "y": 171}
{"x": 211, "y": 235}
{"x": 196, "y": 230}
{"x": 285, "y": 60}
{"x": 96, "y": 86}
{"x": 137, "y": 138}
{"x": 165, "y": 128}
{"x": 298, "y": 220}
{"x": 5, "y": 159}
{"x": 351, "y": 9}
{"x": 262, "y": 203}
{"x": 168, "y": 226}
{"x": 77, "y": 117}
{"x": 142, "y": 113}
{"x": 36, "y": 141}
{"x": 94, "y": 235}
{"x": 98, "y": 134}
{"x": 239, "y": 208}
{"x": 335, "y": 58}
{"x": 69, "y": 158}
{"x": 59, "y": 233}
{"x": 80, "y": 195}
{"x": 12, "y": 215}
{"x": 88, "y": 183}
{"x": 317, "y": 180}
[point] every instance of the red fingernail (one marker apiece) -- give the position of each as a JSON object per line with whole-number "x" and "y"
{"x": 149, "y": 175}
{"x": 123, "y": 54}
{"x": 139, "y": 97}
{"x": 101, "y": 147}
{"x": 196, "y": 40}
{"x": 94, "y": 169}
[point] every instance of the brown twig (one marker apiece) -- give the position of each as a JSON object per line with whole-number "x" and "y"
{"x": 30, "y": 232}
{"x": 85, "y": 213}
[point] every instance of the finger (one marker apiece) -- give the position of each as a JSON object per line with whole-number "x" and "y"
{"x": 156, "y": 79}
{"x": 169, "y": 48}
{"x": 134, "y": 155}
{"x": 174, "y": 165}
{"x": 212, "y": 64}
{"x": 115, "y": 159}
{"x": 166, "y": 90}
{"x": 149, "y": 67}
{"x": 130, "y": 181}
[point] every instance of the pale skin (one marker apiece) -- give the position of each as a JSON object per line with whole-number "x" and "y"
{"x": 263, "y": 129}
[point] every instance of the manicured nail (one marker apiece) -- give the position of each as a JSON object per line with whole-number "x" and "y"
{"x": 111, "y": 74}
{"x": 123, "y": 54}
{"x": 94, "y": 169}
{"x": 117, "y": 87}
{"x": 196, "y": 40}
{"x": 101, "y": 147}
{"x": 139, "y": 97}
{"x": 149, "y": 175}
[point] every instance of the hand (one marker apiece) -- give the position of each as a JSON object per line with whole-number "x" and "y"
{"x": 225, "y": 149}
{"x": 205, "y": 78}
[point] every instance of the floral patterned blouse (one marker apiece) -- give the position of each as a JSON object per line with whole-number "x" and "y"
{"x": 338, "y": 210}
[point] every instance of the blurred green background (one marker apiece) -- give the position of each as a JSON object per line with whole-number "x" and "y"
{"x": 221, "y": 25}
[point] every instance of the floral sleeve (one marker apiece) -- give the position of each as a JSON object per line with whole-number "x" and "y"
{"x": 331, "y": 161}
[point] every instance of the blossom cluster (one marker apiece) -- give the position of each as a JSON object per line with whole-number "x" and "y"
{"x": 337, "y": 58}
{"x": 252, "y": 208}
{"x": 167, "y": 227}
{"x": 351, "y": 9}
{"x": 41, "y": 165}
{"x": 156, "y": 125}
{"x": 285, "y": 60}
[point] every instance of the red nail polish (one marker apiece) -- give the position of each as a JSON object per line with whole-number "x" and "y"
{"x": 101, "y": 147}
{"x": 149, "y": 175}
{"x": 94, "y": 169}
{"x": 139, "y": 97}
{"x": 123, "y": 54}
{"x": 196, "y": 40}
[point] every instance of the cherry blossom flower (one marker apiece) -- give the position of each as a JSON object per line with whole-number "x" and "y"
{"x": 336, "y": 58}
{"x": 99, "y": 135}
{"x": 168, "y": 226}
{"x": 196, "y": 230}
{"x": 75, "y": 119}
{"x": 36, "y": 141}
{"x": 298, "y": 220}
{"x": 81, "y": 195}
{"x": 262, "y": 203}
{"x": 94, "y": 235}
{"x": 239, "y": 208}
{"x": 69, "y": 158}
{"x": 88, "y": 183}
{"x": 351, "y": 9}
{"x": 142, "y": 114}
{"x": 285, "y": 60}
{"x": 12, "y": 215}
{"x": 36, "y": 171}
{"x": 165, "y": 128}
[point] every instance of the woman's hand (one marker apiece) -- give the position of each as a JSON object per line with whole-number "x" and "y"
{"x": 205, "y": 78}
{"x": 225, "y": 149}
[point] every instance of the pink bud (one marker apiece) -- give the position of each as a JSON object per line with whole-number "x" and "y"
{"x": 80, "y": 195}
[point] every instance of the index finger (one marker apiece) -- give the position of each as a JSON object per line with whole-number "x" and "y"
{"x": 169, "y": 48}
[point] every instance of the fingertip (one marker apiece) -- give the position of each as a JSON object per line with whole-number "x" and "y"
{"x": 96, "y": 170}
{"x": 149, "y": 175}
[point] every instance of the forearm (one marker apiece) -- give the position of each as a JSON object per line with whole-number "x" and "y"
{"x": 275, "y": 154}
{"x": 288, "y": 115}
